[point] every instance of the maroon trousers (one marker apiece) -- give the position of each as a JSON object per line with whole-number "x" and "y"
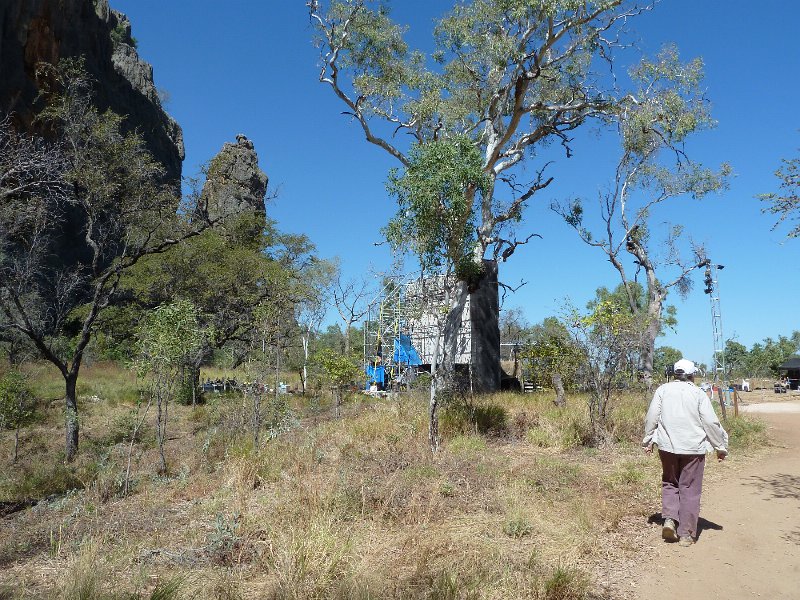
{"x": 681, "y": 486}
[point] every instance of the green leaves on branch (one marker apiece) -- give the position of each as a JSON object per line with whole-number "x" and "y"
{"x": 16, "y": 401}
{"x": 786, "y": 203}
{"x": 609, "y": 336}
{"x": 668, "y": 106}
{"x": 552, "y": 350}
{"x": 632, "y": 296}
{"x": 167, "y": 336}
{"x": 609, "y": 317}
{"x": 436, "y": 197}
{"x": 340, "y": 369}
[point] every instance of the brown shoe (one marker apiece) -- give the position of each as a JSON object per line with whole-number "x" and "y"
{"x": 685, "y": 541}
{"x": 668, "y": 531}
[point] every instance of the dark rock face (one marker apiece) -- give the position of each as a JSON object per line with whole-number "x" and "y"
{"x": 34, "y": 31}
{"x": 235, "y": 185}
{"x": 484, "y": 310}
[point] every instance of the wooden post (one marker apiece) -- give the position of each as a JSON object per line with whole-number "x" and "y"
{"x": 722, "y": 403}
{"x": 735, "y": 403}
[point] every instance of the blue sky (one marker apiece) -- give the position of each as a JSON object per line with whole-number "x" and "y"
{"x": 249, "y": 67}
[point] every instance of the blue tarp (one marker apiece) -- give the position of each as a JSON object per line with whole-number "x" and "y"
{"x": 376, "y": 375}
{"x": 404, "y": 352}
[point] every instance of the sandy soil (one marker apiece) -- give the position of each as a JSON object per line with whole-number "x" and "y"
{"x": 749, "y": 541}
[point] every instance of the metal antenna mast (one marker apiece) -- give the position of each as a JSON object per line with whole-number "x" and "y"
{"x": 711, "y": 280}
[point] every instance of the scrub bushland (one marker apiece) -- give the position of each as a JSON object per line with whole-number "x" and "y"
{"x": 514, "y": 505}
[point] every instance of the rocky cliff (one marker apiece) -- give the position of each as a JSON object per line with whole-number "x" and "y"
{"x": 235, "y": 185}
{"x": 34, "y": 31}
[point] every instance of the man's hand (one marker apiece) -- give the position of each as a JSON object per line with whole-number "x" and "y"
{"x": 721, "y": 454}
{"x": 649, "y": 448}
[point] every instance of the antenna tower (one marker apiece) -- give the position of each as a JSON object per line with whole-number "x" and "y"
{"x": 711, "y": 279}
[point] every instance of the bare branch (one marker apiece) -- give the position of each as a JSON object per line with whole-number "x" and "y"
{"x": 329, "y": 74}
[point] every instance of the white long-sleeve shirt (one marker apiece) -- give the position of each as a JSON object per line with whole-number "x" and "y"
{"x": 681, "y": 420}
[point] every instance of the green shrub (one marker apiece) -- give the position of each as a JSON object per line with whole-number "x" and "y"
{"x": 746, "y": 432}
{"x": 225, "y": 539}
{"x": 122, "y": 427}
{"x": 119, "y": 34}
{"x": 16, "y": 405}
{"x": 183, "y": 393}
{"x": 40, "y": 480}
{"x": 460, "y": 417}
{"x": 517, "y": 527}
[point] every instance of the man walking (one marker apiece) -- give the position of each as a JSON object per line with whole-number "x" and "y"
{"x": 684, "y": 426}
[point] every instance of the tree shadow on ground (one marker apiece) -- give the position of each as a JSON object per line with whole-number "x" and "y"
{"x": 702, "y": 524}
{"x": 779, "y": 485}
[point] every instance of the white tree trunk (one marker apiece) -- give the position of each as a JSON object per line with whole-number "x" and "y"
{"x": 305, "y": 339}
{"x": 444, "y": 357}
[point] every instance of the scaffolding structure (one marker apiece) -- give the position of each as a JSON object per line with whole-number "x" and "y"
{"x": 409, "y": 311}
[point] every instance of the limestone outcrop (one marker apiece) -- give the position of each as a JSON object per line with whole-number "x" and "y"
{"x": 35, "y": 31}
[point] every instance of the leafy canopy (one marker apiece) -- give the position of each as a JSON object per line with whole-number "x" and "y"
{"x": 436, "y": 196}
{"x": 550, "y": 350}
{"x": 340, "y": 369}
{"x": 505, "y": 76}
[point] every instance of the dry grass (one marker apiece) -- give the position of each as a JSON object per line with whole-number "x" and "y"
{"x": 352, "y": 508}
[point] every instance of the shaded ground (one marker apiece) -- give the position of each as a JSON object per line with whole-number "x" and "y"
{"x": 749, "y": 540}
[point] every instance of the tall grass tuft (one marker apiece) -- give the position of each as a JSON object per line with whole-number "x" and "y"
{"x": 168, "y": 590}
{"x": 485, "y": 417}
{"x": 566, "y": 583}
{"x": 310, "y": 562}
{"x": 37, "y": 480}
{"x": 83, "y": 576}
{"x": 89, "y": 577}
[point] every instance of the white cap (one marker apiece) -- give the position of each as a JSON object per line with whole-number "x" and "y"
{"x": 684, "y": 366}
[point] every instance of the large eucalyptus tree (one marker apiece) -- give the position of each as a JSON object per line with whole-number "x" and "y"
{"x": 509, "y": 77}
{"x": 666, "y": 107}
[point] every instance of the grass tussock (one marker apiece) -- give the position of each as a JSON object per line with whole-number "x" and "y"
{"x": 566, "y": 584}
{"x": 514, "y": 505}
{"x": 746, "y": 432}
{"x": 90, "y": 575}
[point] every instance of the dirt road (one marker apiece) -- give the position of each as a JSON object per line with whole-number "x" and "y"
{"x": 749, "y": 541}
